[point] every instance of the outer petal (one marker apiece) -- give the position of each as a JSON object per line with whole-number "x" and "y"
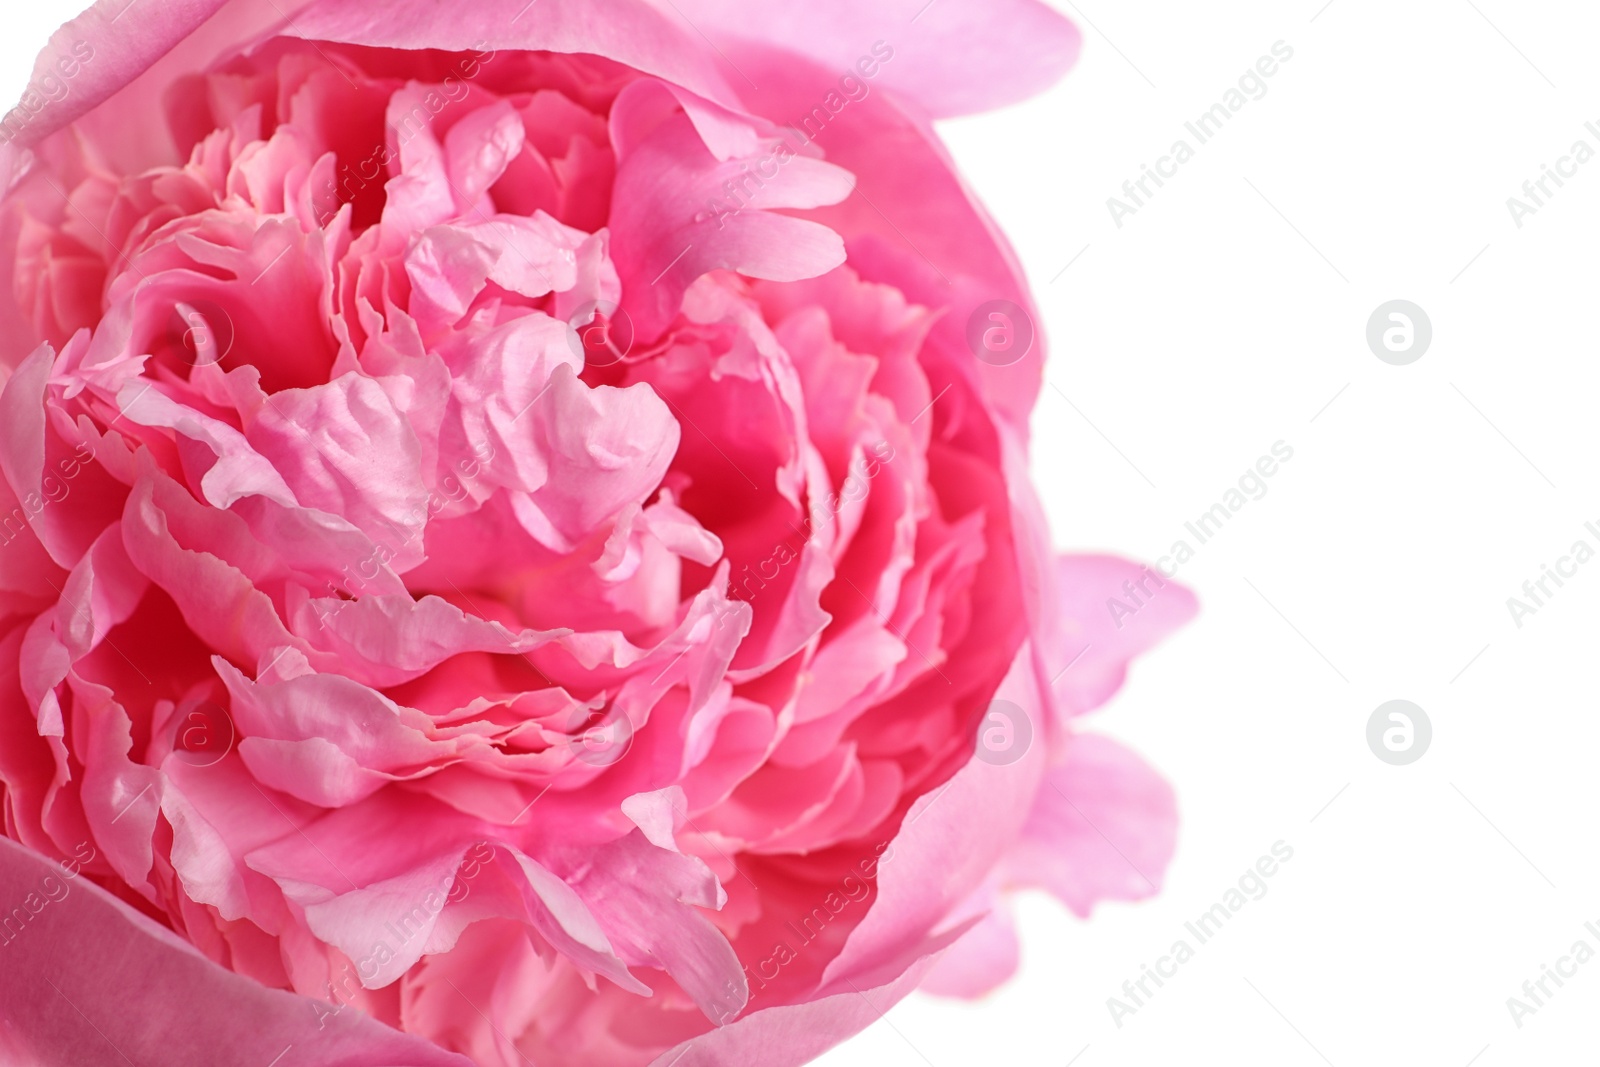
{"x": 627, "y": 31}
{"x": 120, "y": 51}
{"x": 949, "y": 843}
{"x": 952, "y": 57}
{"x": 1106, "y": 626}
{"x": 794, "y": 1034}
{"x": 1103, "y": 827}
{"x": 110, "y": 979}
{"x": 140, "y": 55}
{"x": 982, "y": 959}
{"x": 912, "y": 222}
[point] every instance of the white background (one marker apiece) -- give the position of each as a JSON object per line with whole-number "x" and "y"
{"x": 1230, "y": 313}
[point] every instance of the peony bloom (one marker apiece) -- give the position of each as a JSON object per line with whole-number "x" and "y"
{"x": 515, "y": 526}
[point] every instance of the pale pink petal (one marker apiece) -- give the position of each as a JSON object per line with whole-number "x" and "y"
{"x": 628, "y": 31}
{"x": 89, "y": 980}
{"x": 345, "y": 448}
{"x": 1111, "y": 610}
{"x": 606, "y": 448}
{"x": 110, "y": 54}
{"x": 479, "y": 148}
{"x": 980, "y": 960}
{"x": 450, "y": 264}
{"x": 324, "y": 738}
{"x": 794, "y": 1034}
{"x": 386, "y": 640}
{"x": 670, "y": 224}
{"x": 949, "y": 58}
{"x": 1103, "y": 827}
{"x": 633, "y": 878}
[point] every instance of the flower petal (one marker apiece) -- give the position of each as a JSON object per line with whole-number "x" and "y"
{"x": 84, "y": 957}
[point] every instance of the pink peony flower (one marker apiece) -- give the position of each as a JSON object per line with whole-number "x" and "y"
{"x": 515, "y": 526}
